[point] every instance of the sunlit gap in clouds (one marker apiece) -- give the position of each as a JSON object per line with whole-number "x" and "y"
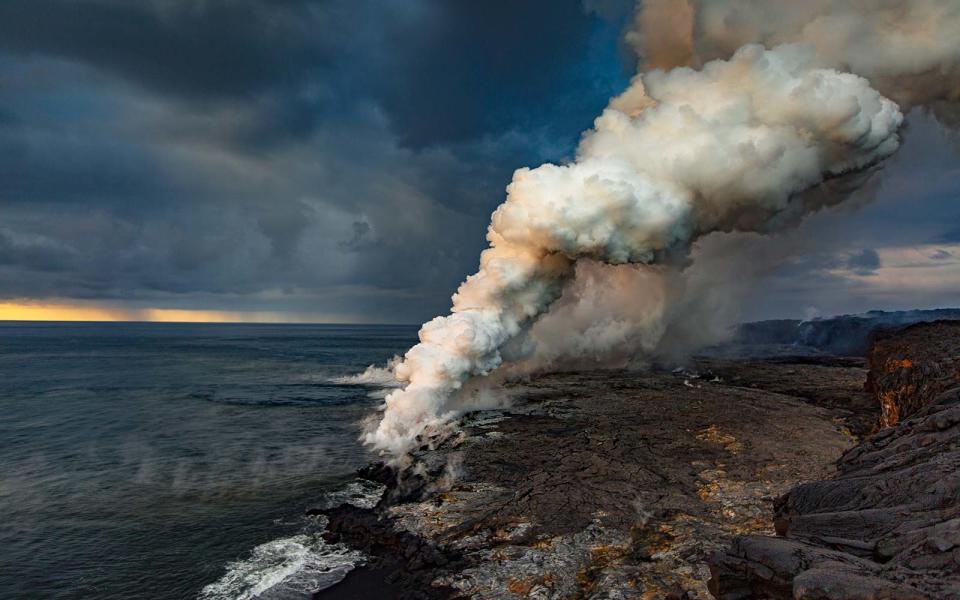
{"x": 73, "y": 311}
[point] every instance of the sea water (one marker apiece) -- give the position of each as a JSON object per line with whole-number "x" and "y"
{"x": 177, "y": 460}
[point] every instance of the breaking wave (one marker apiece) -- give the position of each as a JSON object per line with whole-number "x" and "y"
{"x": 296, "y": 567}
{"x": 287, "y": 568}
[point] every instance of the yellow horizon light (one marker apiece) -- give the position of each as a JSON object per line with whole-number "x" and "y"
{"x": 36, "y": 311}
{"x": 55, "y": 311}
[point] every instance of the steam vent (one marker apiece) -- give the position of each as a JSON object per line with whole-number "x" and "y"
{"x": 782, "y": 477}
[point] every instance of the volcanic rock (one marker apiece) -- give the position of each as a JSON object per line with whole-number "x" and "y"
{"x": 910, "y": 367}
{"x": 604, "y": 484}
{"x": 720, "y": 479}
{"x": 888, "y": 524}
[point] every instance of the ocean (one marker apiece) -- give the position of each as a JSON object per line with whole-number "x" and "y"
{"x": 144, "y": 460}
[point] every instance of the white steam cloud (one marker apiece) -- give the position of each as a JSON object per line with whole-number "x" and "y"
{"x": 584, "y": 263}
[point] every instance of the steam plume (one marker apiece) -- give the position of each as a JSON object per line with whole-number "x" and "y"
{"x": 678, "y": 155}
{"x": 586, "y": 259}
{"x": 907, "y": 49}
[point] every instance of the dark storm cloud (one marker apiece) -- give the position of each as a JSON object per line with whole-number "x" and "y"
{"x": 443, "y": 71}
{"x": 210, "y": 49}
{"x": 534, "y": 50}
{"x": 863, "y": 262}
{"x": 274, "y": 154}
{"x": 269, "y": 60}
{"x": 951, "y": 236}
{"x": 8, "y": 120}
{"x": 49, "y": 168}
{"x": 832, "y": 265}
{"x": 36, "y": 253}
{"x": 336, "y": 156}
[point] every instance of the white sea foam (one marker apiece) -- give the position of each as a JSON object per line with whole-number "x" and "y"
{"x": 298, "y": 566}
{"x": 286, "y": 568}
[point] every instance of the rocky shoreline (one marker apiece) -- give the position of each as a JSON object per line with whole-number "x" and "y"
{"x": 887, "y": 525}
{"x": 647, "y": 484}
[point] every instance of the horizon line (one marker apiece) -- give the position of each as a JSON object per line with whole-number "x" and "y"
{"x": 60, "y": 311}
{"x": 127, "y": 322}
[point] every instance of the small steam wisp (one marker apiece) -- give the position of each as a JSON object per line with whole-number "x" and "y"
{"x": 680, "y": 154}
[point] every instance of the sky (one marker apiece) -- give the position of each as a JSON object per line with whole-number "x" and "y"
{"x": 338, "y": 161}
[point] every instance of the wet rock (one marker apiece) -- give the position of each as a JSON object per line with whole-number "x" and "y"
{"x": 403, "y": 564}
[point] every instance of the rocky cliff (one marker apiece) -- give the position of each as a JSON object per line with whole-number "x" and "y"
{"x": 912, "y": 366}
{"x": 887, "y": 525}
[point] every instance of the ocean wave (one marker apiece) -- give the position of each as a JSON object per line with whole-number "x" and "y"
{"x": 296, "y": 567}
{"x": 374, "y": 375}
{"x": 286, "y": 568}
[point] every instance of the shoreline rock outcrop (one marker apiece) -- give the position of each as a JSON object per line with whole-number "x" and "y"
{"x": 721, "y": 481}
{"x": 887, "y": 525}
{"x": 603, "y": 484}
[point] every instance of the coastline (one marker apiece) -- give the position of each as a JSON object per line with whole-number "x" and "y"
{"x": 603, "y": 484}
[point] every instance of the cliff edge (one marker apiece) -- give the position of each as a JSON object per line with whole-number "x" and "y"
{"x": 887, "y": 525}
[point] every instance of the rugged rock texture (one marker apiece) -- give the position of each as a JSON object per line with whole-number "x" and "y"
{"x": 910, "y": 367}
{"x": 888, "y": 524}
{"x": 604, "y": 484}
{"x": 402, "y": 565}
{"x": 833, "y": 383}
{"x": 625, "y": 484}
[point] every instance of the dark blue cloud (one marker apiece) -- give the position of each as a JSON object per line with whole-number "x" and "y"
{"x": 202, "y": 50}
{"x": 333, "y": 156}
{"x": 264, "y": 153}
{"x": 950, "y": 236}
{"x": 472, "y": 68}
{"x": 442, "y": 71}
{"x": 863, "y": 262}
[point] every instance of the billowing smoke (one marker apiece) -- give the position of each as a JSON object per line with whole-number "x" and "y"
{"x": 588, "y": 261}
{"x": 907, "y": 49}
